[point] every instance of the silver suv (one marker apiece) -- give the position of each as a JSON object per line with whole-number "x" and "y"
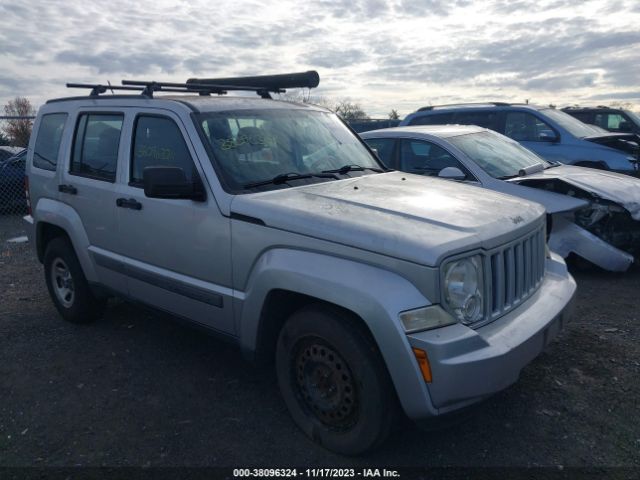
{"x": 271, "y": 224}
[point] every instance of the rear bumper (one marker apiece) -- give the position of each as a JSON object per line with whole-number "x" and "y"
{"x": 468, "y": 365}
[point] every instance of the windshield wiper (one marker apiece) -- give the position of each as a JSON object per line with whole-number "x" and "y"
{"x": 286, "y": 177}
{"x": 350, "y": 168}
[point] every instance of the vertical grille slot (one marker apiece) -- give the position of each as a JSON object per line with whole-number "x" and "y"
{"x": 498, "y": 282}
{"x": 516, "y": 272}
{"x": 511, "y": 275}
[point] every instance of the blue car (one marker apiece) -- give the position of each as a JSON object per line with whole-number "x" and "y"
{"x": 12, "y": 174}
{"x": 552, "y": 134}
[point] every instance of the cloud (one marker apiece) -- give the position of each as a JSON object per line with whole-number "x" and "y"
{"x": 333, "y": 58}
{"x": 382, "y": 53}
{"x": 628, "y": 95}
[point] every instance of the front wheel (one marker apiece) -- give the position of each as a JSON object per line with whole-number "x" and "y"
{"x": 334, "y": 381}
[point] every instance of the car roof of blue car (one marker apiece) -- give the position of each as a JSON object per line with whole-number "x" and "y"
{"x": 478, "y": 106}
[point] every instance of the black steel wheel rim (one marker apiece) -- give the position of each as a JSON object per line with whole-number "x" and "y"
{"x": 324, "y": 382}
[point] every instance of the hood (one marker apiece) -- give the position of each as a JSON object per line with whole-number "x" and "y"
{"x": 621, "y": 189}
{"x": 624, "y": 142}
{"x": 415, "y": 218}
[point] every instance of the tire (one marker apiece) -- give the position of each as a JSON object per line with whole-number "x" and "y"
{"x": 67, "y": 284}
{"x": 333, "y": 380}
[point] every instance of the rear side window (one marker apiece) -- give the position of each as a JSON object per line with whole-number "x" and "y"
{"x": 95, "y": 148}
{"x": 482, "y": 119}
{"x": 47, "y": 148}
{"x": 436, "y": 119}
{"x": 385, "y": 148}
{"x": 158, "y": 142}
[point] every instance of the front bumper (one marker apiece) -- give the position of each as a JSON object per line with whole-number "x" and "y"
{"x": 468, "y": 365}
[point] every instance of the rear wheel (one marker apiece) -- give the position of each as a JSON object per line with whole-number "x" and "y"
{"x": 67, "y": 284}
{"x": 334, "y": 381}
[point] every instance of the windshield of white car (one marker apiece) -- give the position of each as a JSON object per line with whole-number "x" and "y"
{"x": 253, "y": 147}
{"x": 496, "y": 154}
{"x": 574, "y": 126}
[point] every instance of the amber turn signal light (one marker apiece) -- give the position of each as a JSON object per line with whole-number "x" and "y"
{"x": 423, "y": 362}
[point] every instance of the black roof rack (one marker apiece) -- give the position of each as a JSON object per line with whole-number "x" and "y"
{"x": 495, "y": 104}
{"x": 263, "y": 85}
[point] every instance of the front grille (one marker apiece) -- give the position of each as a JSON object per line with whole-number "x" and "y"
{"x": 514, "y": 272}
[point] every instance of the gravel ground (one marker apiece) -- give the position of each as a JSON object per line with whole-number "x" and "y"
{"x": 139, "y": 389}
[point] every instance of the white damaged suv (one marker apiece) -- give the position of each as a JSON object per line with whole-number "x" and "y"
{"x": 273, "y": 225}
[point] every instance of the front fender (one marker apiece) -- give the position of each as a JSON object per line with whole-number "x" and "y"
{"x": 63, "y": 216}
{"x": 374, "y": 294}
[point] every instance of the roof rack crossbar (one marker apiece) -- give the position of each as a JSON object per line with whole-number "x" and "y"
{"x": 97, "y": 89}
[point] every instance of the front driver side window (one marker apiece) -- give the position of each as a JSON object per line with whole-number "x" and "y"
{"x": 158, "y": 142}
{"x": 385, "y": 148}
{"x": 426, "y": 158}
{"x": 524, "y": 127}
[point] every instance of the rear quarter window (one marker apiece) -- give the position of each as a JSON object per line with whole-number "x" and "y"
{"x": 481, "y": 119}
{"x": 49, "y": 136}
{"x": 435, "y": 119}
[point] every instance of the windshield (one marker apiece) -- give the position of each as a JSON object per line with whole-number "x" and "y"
{"x": 496, "y": 154}
{"x": 574, "y": 126}
{"x": 634, "y": 116}
{"x": 252, "y": 146}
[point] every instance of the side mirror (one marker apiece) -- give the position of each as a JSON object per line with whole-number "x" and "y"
{"x": 171, "y": 182}
{"x": 547, "y": 136}
{"x": 452, "y": 173}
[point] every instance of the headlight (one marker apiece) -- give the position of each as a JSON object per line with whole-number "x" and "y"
{"x": 425, "y": 318}
{"x": 463, "y": 287}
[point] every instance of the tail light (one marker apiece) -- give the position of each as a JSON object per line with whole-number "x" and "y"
{"x": 26, "y": 194}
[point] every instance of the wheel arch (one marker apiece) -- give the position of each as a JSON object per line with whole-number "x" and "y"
{"x": 278, "y": 286}
{"x": 53, "y": 219}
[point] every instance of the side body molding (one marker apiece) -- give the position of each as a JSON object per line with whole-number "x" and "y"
{"x": 374, "y": 294}
{"x": 63, "y": 216}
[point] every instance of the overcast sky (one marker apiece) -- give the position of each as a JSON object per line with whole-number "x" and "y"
{"x": 401, "y": 54}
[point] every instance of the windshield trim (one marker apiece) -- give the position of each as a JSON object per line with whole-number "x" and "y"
{"x": 239, "y": 189}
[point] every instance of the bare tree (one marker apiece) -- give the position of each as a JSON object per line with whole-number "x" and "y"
{"x": 18, "y": 130}
{"x": 347, "y": 109}
{"x": 393, "y": 114}
{"x": 623, "y": 105}
{"x": 350, "y": 111}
